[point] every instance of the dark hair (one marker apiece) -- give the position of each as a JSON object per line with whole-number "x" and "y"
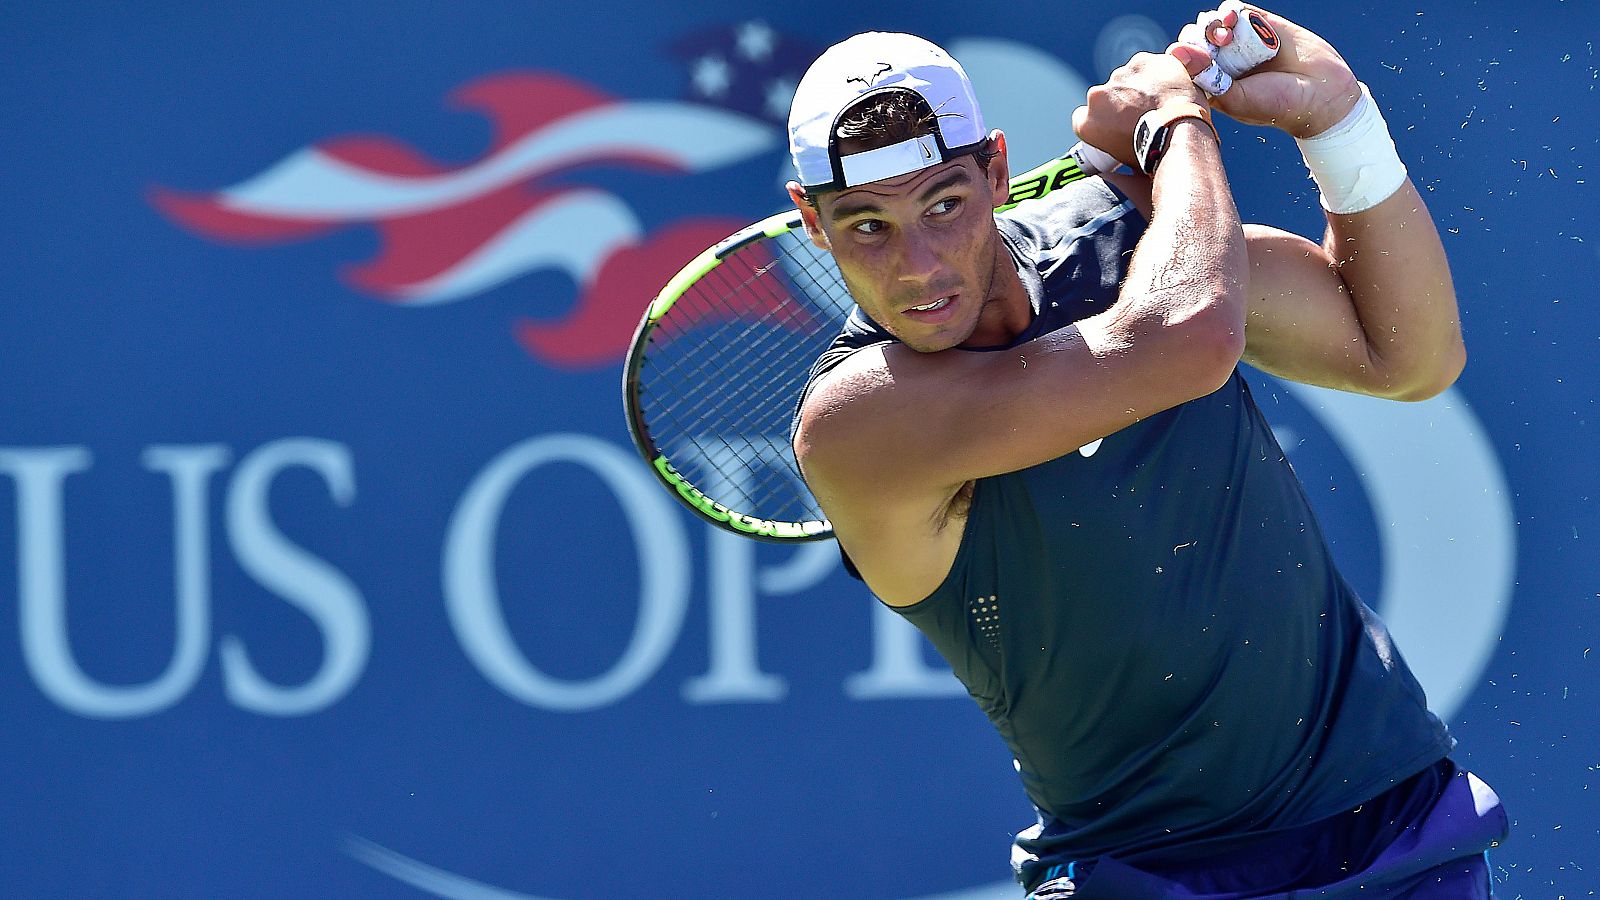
{"x": 887, "y": 117}
{"x": 891, "y": 116}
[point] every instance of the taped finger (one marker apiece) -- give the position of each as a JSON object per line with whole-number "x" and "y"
{"x": 1194, "y": 35}
{"x": 1254, "y": 40}
{"x": 1213, "y": 80}
{"x": 1236, "y": 37}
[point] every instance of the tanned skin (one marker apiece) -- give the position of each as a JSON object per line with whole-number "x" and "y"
{"x": 892, "y": 440}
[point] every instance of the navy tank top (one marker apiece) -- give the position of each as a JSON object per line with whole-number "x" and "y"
{"x": 1154, "y": 623}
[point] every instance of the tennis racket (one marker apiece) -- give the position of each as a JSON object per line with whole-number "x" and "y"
{"x": 716, "y": 366}
{"x": 714, "y": 373}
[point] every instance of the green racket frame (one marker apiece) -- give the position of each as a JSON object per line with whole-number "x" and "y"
{"x": 1030, "y": 185}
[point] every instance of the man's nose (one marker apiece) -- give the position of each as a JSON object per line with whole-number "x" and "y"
{"x": 918, "y": 260}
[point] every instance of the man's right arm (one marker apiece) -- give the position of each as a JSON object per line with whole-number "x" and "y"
{"x": 891, "y": 436}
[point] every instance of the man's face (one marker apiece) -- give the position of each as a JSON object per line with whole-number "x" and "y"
{"x": 919, "y": 252}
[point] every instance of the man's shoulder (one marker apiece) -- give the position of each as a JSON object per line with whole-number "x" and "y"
{"x": 859, "y": 428}
{"x": 865, "y": 405}
{"x": 852, "y": 381}
{"x": 1066, "y": 211}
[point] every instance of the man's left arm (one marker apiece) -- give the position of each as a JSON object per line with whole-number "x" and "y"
{"x": 1372, "y": 309}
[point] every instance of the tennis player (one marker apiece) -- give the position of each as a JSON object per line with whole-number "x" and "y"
{"x": 1034, "y": 442}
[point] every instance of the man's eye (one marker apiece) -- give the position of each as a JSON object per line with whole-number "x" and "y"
{"x": 867, "y": 226}
{"x": 945, "y": 206}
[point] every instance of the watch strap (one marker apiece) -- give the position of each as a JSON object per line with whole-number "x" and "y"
{"x": 1154, "y": 130}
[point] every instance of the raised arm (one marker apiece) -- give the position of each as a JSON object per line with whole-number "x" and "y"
{"x": 1372, "y": 309}
{"x": 889, "y": 439}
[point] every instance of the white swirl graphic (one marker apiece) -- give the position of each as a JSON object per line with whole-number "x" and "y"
{"x": 426, "y": 878}
{"x": 1013, "y": 78}
{"x": 450, "y": 886}
{"x": 541, "y": 238}
{"x": 1123, "y": 37}
{"x": 1444, "y": 524}
{"x": 311, "y": 185}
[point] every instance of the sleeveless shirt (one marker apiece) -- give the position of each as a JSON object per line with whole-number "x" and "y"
{"x": 1154, "y": 623}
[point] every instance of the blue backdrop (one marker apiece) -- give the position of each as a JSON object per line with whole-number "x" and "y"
{"x": 330, "y": 571}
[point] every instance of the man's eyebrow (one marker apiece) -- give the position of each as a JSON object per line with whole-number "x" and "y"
{"x": 848, "y": 208}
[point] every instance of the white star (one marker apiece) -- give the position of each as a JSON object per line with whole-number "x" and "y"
{"x": 754, "y": 40}
{"x": 780, "y": 95}
{"x": 711, "y": 76}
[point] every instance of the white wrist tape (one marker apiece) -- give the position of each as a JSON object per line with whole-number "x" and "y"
{"x": 1354, "y": 162}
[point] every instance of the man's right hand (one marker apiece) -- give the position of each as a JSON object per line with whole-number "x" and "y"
{"x": 1304, "y": 90}
{"x": 1114, "y": 108}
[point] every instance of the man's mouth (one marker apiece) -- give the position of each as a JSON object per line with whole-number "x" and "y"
{"x": 940, "y": 303}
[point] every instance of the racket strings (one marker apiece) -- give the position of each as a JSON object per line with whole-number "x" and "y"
{"x": 780, "y": 301}
{"x": 745, "y": 407}
{"x": 732, "y": 351}
{"x": 719, "y": 402}
{"x": 713, "y": 291}
{"x": 738, "y": 349}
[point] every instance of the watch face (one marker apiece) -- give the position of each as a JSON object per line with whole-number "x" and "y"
{"x": 1144, "y": 150}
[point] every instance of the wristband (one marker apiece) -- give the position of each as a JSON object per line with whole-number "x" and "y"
{"x": 1154, "y": 131}
{"x": 1355, "y": 163}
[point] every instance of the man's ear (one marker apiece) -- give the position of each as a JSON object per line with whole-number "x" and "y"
{"x": 999, "y": 169}
{"x": 808, "y": 215}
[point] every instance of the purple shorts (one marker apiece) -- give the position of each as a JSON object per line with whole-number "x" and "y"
{"x": 1446, "y": 820}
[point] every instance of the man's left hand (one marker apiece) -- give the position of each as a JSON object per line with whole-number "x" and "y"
{"x": 1305, "y": 90}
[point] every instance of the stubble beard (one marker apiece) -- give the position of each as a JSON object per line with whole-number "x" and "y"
{"x": 936, "y": 343}
{"x": 986, "y": 296}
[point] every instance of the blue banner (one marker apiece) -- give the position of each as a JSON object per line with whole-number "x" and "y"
{"x": 330, "y": 570}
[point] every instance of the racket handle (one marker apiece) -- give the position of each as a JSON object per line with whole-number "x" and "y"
{"x": 1093, "y": 160}
{"x": 1254, "y": 42}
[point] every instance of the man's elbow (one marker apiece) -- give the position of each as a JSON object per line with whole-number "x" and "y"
{"x": 1217, "y": 342}
{"x": 1432, "y": 381}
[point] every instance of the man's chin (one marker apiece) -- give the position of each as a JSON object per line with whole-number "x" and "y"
{"x": 933, "y": 343}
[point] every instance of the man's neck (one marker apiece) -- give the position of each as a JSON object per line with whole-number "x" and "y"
{"x": 1007, "y": 311}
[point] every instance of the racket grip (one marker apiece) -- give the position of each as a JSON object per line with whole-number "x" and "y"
{"x": 1254, "y": 42}
{"x": 1093, "y": 160}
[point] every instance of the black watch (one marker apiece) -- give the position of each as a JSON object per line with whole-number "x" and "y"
{"x": 1154, "y": 131}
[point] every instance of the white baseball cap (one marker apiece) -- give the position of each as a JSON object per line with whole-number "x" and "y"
{"x": 870, "y": 63}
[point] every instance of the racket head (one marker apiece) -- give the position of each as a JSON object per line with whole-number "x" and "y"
{"x": 714, "y": 375}
{"x": 715, "y": 370}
